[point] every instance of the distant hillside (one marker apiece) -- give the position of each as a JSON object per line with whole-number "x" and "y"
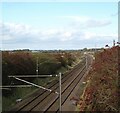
{"x": 101, "y": 90}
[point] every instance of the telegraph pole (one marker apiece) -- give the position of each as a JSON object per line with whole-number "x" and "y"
{"x": 60, "y": 107}
{"x": 86, "y": 62}
{"x": 37, "y": 66}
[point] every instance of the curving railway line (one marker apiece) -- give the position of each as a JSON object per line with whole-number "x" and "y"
{"x": 45, "y": 101}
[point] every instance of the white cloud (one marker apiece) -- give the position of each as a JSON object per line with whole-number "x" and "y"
{"x": 97, "y": 23}
{"x": 12, "y": 31}
{"x": 77, "y": 18}
{"x": 66, "y": 36}
{"x": 24, "y": 36}
{"x": 86, "y": 22}
{"x": 89, "y": 35}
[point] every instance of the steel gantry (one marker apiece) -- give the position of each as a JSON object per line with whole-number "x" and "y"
{"x": 20, "y": 78}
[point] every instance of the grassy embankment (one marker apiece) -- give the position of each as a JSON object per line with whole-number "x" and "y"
{"x": 101, "y": 89}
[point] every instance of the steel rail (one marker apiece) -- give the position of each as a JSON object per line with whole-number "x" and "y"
{"x": 67, "y": 75}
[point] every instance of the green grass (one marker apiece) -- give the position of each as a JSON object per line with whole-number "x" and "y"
{"x": 8, "y": 102}
{"x": 22, "y": 93}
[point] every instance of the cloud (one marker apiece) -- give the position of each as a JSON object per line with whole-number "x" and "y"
{"x": 12, "y": 31}
{"x": 86, "y": 22}
{"x": 24, "y": 36}
{"x": 97, "y": 23}
{"x": 77, "y": 18}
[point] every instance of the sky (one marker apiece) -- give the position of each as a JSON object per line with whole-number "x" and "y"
{"x": 52, "y": 25}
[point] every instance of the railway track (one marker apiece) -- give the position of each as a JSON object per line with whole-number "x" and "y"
{"x": 38, "y": 98}
{"x": 66, "y": 92}
{"x": 44, "y": 106}
{"x": 47, "y": 101}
